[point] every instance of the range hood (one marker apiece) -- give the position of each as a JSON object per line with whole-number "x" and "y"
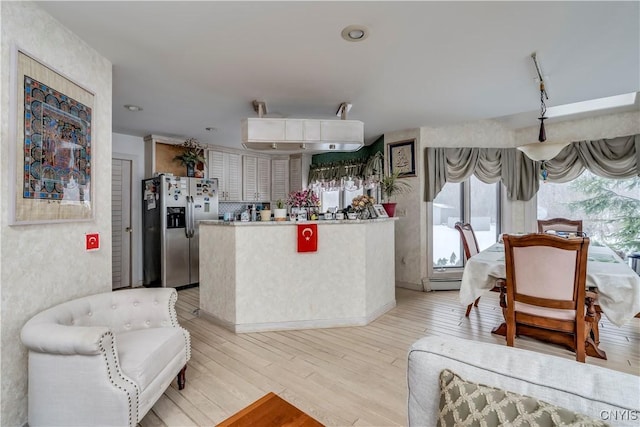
{"x": 302, "y": 135}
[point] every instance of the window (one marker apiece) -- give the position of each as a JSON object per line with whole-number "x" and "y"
{"x": 471, "y": 201}
{"x": 609, "y": 208}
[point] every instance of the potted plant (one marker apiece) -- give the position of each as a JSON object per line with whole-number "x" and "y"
{"x": 391, "y": 185}
{"x": 280, "y": 212}
{"x": 304, "y": 204}
{"x": 192, "y": 154}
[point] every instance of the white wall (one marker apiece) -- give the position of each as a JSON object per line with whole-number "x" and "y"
{"x": 410, "y": 239}
{"x": 592, "y": 128}
{"x": 132, "y": 148}
{"x": 43, "y": 265}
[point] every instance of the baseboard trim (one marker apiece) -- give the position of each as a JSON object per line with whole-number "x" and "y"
{"x": 216, "y": 320}
{"x": 299, "y": 324}
{"x": 410, "y": 286}
{"x": 444, "y": 285}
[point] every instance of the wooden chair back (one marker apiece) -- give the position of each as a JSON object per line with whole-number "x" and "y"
{"x": 469, "y": 240}
{"x": 546, "y": 278}
{"x": 560, "y": 224}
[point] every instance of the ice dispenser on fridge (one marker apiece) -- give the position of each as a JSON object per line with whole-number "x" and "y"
{"x": 176, "y": 217}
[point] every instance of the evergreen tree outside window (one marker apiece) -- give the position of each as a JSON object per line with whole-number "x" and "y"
{"x": 609, "y": 208}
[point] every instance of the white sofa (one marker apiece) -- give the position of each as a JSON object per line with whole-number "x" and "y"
{"x": 597, "y": 392}
{"x": 104, "y": 359}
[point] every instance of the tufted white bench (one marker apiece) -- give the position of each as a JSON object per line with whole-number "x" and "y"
{"x": 104, "y": 359}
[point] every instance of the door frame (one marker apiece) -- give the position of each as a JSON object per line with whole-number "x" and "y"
{"x": 136, "y": 220}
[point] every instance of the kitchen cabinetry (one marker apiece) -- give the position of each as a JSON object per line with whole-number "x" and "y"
{"x": 279, "y": 179}
{"x": 226, "y": 167}
{"x": 256, "y": 178}
{"x": 299, "y": 171}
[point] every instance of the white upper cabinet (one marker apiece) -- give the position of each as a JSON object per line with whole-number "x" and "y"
{"x": 279, "y": 179}
{"x": 226, "y": 167}
{"x": 301, "y": 130}
{"x": 256, "y": 178}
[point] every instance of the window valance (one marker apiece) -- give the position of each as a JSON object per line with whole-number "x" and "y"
{"x": 354, "y": 168}
{"x": 610, "y": 158}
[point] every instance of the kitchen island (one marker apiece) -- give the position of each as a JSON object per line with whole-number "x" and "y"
{"x": 253, "y": 279}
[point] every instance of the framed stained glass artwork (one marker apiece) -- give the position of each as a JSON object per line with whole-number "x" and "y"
{"x": 52, "y": 145}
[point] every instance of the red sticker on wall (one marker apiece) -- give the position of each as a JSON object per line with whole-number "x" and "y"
{"x": 307, "y": 237}
{"x": 92, "y": 241}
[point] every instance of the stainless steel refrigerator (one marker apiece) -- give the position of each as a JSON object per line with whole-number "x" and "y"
{"x": 172, "y": 207}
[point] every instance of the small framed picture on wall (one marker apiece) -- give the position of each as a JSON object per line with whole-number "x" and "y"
{"x": 402, "y": 158}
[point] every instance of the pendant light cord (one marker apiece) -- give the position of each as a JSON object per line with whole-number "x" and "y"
{"x": 543, "y": 94}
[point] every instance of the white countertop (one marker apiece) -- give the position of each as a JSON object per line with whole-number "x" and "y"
{"x": 270, "y": 223}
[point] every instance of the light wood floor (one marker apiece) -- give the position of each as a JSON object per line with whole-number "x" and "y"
{"x": 341, "y": 376}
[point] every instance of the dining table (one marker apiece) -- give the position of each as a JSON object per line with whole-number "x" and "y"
{"x": 616, "y": 284}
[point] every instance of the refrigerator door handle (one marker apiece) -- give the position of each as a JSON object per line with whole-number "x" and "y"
{"x": 193, "y": 221}
{"x": 187, "y": 216}
{"x": 192, "y": 218}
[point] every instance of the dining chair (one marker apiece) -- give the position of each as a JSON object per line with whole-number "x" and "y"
{"x": 560, "y": 224}
{"x": 471, "y": 247}
{"x": 545, "y": 290}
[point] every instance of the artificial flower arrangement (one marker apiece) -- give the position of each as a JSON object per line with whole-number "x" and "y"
{"x": 303, "y": 198}
{"x": 362, "y": 202}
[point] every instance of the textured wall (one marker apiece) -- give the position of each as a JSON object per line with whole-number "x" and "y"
{"x": 410, "y": 238}
{"x": 43, "y": 265}
{"x": 606, "y": 126}
{"x": 255, "y": 279}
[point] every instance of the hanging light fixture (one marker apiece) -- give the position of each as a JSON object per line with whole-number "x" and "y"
{"x": 542, "y": 150}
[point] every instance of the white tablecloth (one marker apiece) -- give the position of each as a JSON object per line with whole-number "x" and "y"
{"x": 618, "y": 285}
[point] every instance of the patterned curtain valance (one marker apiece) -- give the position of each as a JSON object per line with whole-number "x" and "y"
{"x": 616, "y": 158}
{"x": 508, "y": 165}
{"x": 610, "y": 158}
{"x": 354, "y": 168}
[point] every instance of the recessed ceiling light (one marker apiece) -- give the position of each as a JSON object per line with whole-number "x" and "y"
{"x": 131, "y": 107}
{"x": 355, "y": 33}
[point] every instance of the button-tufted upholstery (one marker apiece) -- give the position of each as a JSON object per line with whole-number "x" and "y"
{"x": 104, "y": 359}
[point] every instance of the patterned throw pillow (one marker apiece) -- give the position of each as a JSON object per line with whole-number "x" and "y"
{"x": 463, "y": 403}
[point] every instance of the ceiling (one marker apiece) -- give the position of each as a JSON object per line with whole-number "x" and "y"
{"x": 193, "y": 65}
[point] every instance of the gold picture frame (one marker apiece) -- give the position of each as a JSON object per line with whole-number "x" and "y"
{"x": 51, "y": 145}
{"x": 402, "y": 158}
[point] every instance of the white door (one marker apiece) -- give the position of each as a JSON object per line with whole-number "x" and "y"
{"x": 121, "y": 230}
